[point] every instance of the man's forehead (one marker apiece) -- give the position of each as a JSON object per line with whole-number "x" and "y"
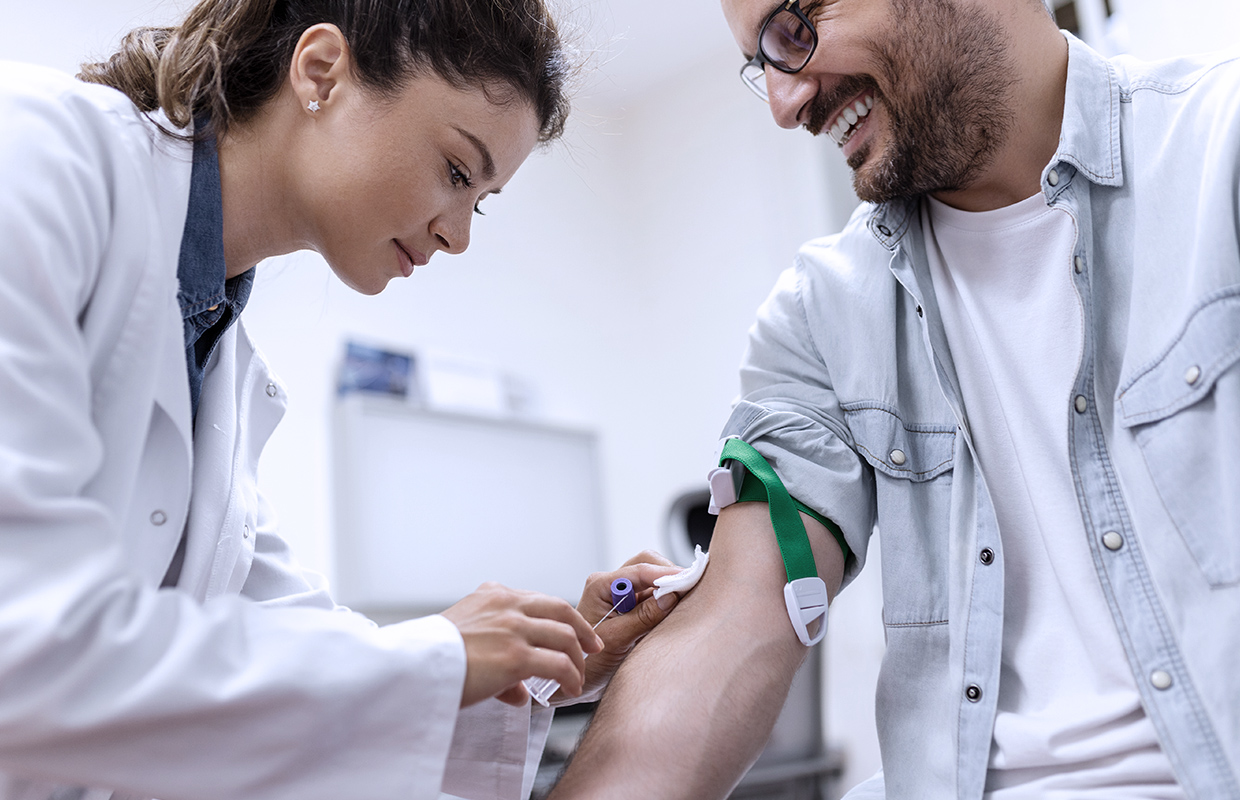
{"x": 745, "y": 17}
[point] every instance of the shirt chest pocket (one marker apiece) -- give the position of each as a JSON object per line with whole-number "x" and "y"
{"x": 1184, "y": 411}
{"x": 912, "y": 466}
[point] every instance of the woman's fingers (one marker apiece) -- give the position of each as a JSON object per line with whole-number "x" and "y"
{"x": 649, "y": 557}
{"x": 622, "y": 632}
{"x": 596, "y": 599}
{"x": 644, "y": 575}
{"x": 515, "y": 695}
{"x": 553, "y": 608}
{"x": 511, "y": 635}
{"x": 619, "y": 632}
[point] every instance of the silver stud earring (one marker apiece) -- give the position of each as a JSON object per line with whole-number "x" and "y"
{"x": 314, "y": 105}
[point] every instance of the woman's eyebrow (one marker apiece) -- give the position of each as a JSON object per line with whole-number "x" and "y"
{"x": 488, "y": 163}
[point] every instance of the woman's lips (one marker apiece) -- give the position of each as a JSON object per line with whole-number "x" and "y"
{"x": 408, "y": 258}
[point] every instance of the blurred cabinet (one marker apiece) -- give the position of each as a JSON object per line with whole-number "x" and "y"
{"x": 428, "y": 505}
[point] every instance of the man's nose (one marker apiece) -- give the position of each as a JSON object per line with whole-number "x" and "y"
{"x": 789, "y": 96}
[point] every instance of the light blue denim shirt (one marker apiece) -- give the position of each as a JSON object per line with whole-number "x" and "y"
{"x": 849, "y": 390}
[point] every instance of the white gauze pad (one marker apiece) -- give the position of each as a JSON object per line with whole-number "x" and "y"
{"x": 686, "y": 579}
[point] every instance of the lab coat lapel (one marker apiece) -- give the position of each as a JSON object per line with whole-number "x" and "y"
{"x": 208, "y": 540}
{"x": 241, "y": 404}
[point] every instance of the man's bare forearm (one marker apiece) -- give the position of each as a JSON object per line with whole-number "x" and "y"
{"x": 692, "y": 707}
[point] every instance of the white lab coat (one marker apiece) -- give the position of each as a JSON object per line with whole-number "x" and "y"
{"x": 246, "y": 681}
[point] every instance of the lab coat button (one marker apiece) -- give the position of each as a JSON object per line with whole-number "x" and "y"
{"x": 920, "y": 313}
{"x": 987, "y": 556}
{"x": 271, "y": 390}
{"x": 974, "y": 693}
{"x": 1112, "y": 540}
{"x": 1079, "y": 265}
{"x": 1160, "y": 679}
{"x": 1193, "y": 373}
{"x": 245, "y": 532}
{"x": 898, "y": 458}
{"x": 884, "y": 230}
{"x": 1052, "y": 177}
{"x": 158, "y": 517}
{"x": 1080, "y": 403}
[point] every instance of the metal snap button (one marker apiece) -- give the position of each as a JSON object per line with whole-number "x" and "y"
{"x": 271, "y": 390}
{"x": 1079, "y": 265}
{"x": 898, "y": 458}
{"x": 987, "y": 556}
{"x": 1080, "y": 403}
{"x": 1112, "y": 540}
{"x": 1052, "y": 177}
{"x": 974, "y": 693}
{"x": 1160, "y": 679}
{"x": 1193, "y": 373}
{"x": 158, "y": 517}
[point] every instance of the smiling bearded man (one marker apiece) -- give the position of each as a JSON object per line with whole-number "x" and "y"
{"x": 1019, "y": 360}
{"x": 947, "y": 101}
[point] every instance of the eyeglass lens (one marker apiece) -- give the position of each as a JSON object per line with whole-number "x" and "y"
{"x": 786, "y": 41}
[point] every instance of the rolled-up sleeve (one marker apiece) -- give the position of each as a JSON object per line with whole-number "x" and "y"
{"x": 789, "y": 412}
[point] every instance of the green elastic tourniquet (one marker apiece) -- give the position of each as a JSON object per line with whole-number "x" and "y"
{"x": 752, "y": 491}
{"x": 789, "y": 530}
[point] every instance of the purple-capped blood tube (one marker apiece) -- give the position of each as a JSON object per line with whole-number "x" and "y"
{"x": 622, "y": 596}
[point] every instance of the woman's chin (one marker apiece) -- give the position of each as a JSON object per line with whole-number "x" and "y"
{"x": 367, "y": 284}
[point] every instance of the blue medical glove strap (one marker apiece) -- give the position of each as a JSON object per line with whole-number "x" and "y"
{"x": 785, "y": 519}
{"x": 752, "y": 491}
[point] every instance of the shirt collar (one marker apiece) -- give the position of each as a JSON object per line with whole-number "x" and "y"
{"x": 200, "y": 268}
{"x": 1089, "y": 139}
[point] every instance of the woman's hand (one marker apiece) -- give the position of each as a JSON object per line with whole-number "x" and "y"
{"x": 511, "y": 635}
{"x": 620, "y": 632}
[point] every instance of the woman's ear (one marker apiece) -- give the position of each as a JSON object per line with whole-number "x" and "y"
{"x": 320, "y": 71}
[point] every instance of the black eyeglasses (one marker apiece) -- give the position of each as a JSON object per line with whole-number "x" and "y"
{"x": 786, "y": 41}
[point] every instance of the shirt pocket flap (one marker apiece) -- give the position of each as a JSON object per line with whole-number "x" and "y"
{"x": 911, "y": 452}
{"x": 1186, "y": 371}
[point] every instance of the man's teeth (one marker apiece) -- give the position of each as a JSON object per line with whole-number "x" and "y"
{"x": 844, "y": 125}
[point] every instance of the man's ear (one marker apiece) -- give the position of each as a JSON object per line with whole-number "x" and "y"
{"x": 320, "y": 70}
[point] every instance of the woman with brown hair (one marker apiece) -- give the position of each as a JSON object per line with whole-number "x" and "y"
{"x": 156, "y": 637}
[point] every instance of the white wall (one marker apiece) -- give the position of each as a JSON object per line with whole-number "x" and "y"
{"x": 1158, "y": 29}
{"x": 617, "y": 274}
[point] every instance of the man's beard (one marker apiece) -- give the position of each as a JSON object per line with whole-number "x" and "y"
{"x": 947, "y": 106}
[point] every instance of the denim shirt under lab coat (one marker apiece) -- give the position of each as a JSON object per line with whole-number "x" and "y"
{"x": 848, "y": 388}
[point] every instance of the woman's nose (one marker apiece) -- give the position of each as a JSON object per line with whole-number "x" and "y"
{"x": 452, "y": 231}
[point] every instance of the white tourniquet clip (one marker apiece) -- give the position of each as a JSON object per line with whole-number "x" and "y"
{"x": 805, "y": 594}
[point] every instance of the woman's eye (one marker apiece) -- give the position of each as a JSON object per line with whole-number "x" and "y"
{"x": 458, "y": 176}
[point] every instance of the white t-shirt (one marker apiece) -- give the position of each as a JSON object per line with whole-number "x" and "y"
{"x": 1070, "y": 721}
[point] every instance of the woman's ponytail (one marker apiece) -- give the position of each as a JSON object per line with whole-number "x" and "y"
{"x": 182, "y": 69}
